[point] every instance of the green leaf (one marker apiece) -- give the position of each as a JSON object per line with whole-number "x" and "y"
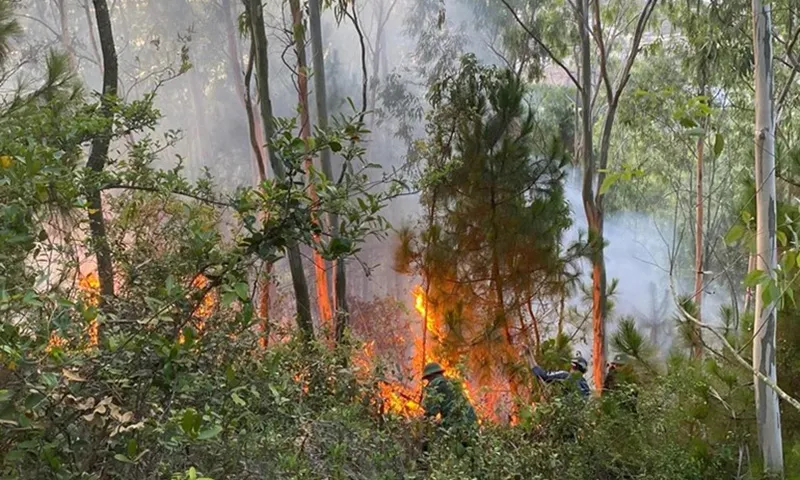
{"x": 695, "y": 132}
{"x": 687, "y": 122}
{"x": 782, "y": 239}
{"x": 790, "y": 294}
{"x": 771, "y": 293}
{"x": 5, "y": 395}
{"x": 339, "y": 246}
{"x": 31, "y": 299}
{"x": 274, "y": 391}
{"x": 132, "y": 447}
{"x": 228, "y": 298}
{"x": 122, "y": 458}
{"x": 789, "y": 260}
{"x": 50, "y": 379}
{"x": 238, "y": 400}
{"x": 335, "y": 146}
{"x": 734, "y": 234}
{"x": 242, "y": 290}
{"x": 170, "y": 284}
{"x": 609, "y": 182}
{"x": 719, "y": 144}
{"x": 210, "y": 433}
{"x": 756, "y": 277}
{"x": 190, "y": 422}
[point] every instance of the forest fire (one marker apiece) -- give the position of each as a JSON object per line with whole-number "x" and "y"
{"x": 206, "y": 305}
{"x": 89, "y": 286}
{"x": 404, "y": 399}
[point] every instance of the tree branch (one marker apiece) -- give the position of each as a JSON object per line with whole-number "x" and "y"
{"x": 543, "y": 45}
{"x": 210, "y": 201}
{"x": 739, "y": 359}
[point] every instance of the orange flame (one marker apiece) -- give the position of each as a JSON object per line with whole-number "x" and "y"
{"x": 55, "y": 341}
{"x": 204, "y": 309}
{"x": 90, "y": 286}
{"x": 401, "y": 399}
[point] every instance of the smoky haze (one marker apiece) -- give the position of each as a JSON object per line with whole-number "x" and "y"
{"x": 640, "y": 254}
{"x": 202, "y": 102}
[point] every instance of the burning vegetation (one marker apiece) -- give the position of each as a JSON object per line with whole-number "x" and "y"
{"x": 400, "y": 390}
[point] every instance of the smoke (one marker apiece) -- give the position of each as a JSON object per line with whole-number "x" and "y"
{"x": 204, "y": 104}
{"x": 640, "y": 256}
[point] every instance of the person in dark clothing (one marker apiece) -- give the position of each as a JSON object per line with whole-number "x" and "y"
{"x": 573, "y": 378}
{"x": 621, "y": 382}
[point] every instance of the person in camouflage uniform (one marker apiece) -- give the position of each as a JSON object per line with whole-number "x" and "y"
{"x": 621, "y": 382}
{"x": 445, "y": 404}
{"x": 444, "y": 400}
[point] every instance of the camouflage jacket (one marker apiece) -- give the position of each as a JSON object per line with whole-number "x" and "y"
{"x": 444, "y": 398}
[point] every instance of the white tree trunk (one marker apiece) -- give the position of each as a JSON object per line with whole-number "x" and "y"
{"x": 767, "y": 409}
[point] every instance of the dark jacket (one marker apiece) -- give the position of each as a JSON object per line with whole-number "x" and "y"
{"x": 564, "y": 376}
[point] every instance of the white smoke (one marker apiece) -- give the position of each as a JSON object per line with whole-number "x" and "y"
{"x": 640, "y": 255}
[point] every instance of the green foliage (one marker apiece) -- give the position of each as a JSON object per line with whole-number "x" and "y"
{"x": 157, "y": 380}
{"x": 628, "y": 340}
{"x": 494, "y": 190}
{"x": 566, "y": 439}
{"x": 9, "y": 27}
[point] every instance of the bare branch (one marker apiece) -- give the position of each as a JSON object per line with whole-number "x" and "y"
{"x": 140, "y": 188}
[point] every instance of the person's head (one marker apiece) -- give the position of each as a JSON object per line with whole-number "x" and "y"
{"x": 619, "y": 360}
{"x": 578, "y": 364}
{"x": 431, "y": 371}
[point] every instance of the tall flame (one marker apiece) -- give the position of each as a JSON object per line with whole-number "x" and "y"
{"x": 404, "y": 399}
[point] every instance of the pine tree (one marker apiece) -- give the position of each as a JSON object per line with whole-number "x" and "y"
{"x": 495, "y": 191}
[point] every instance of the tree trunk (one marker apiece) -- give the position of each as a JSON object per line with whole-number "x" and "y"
{"x": 95, "y": 49}
{"x": 560, "y": 327}
{"x": 236, "y": 73}
{"x": 768, "y": 417}
{"x": 258, "y": 150}
{"x": 594, "y": 218}
{"x": 321, "y": 98}
{"x": 379, "y": 52}
{"x": 66, "y": 38}
{"x": 197, "y": 96}
{"x": 263, "y": 284}
{"x": 497, "y": 282}
{"x": 323, "y": 299}
{"x": 697, "y": 340}
{"x": 99, "y": 153}
{"x": 255, "y": 14}
{"x": 376, "y": 55}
